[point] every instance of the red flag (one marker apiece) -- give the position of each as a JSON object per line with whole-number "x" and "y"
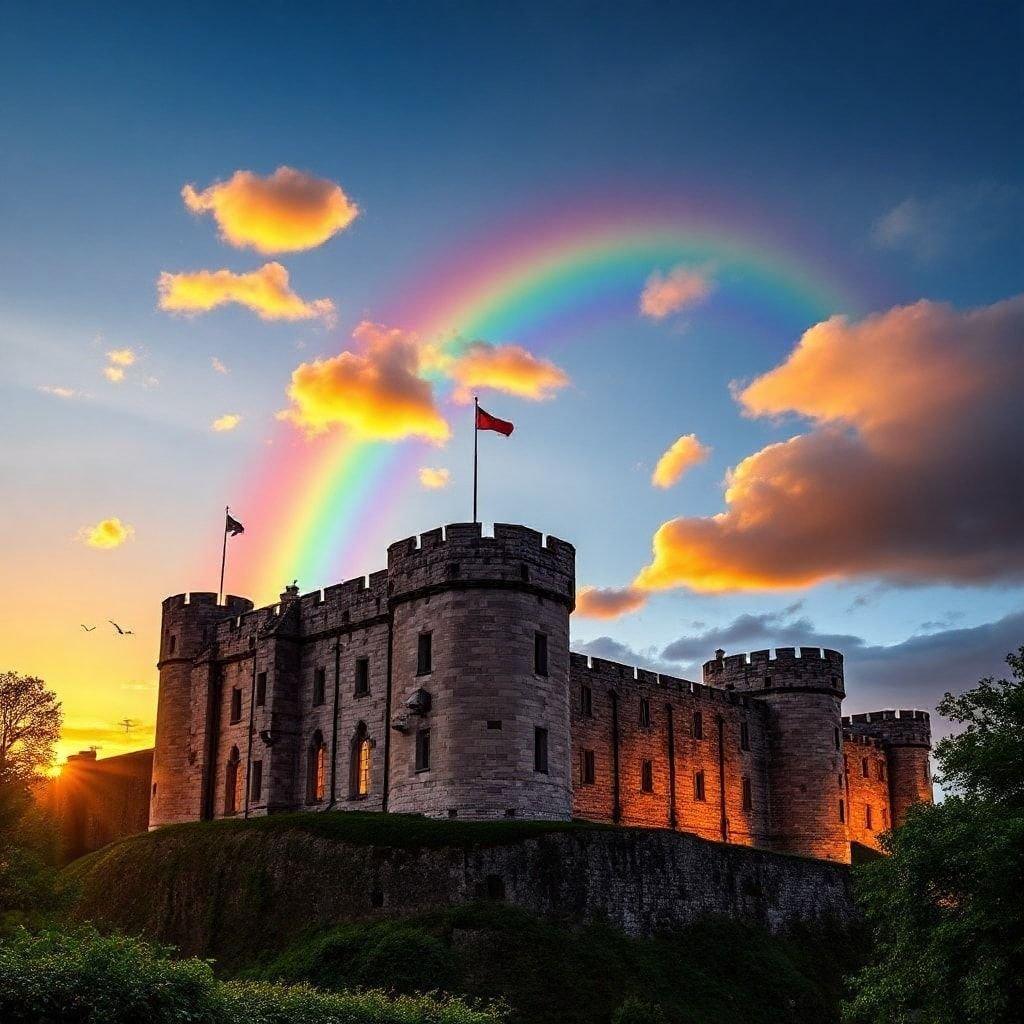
{"x": 485, "y": 421}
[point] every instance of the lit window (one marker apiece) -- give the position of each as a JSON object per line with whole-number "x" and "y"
{"x": 363, "y": 782}
{"x": 233, "y": 783}
{"x": 316, "y": 768}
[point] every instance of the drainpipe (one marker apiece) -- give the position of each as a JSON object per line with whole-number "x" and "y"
{"x": 616, "y": 805}
{"x": 671, "y": 769}
{"x": 334, "y": 729}
{"x": 721, "y": 777}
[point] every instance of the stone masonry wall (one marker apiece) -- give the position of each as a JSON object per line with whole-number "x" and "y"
{"x": 867, "y": 790}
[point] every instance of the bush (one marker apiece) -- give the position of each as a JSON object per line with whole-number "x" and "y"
{"x": 638, "y": 1011}
{"x": 57, "y": 977}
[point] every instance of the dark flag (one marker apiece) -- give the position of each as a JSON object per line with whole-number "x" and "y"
{"x": 485, "y": 421}
{"x": 233, "y": 526}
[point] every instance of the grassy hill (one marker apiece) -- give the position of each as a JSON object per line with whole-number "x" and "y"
{"x": 205, "y": 887}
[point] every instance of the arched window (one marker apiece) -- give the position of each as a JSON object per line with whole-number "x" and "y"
{"x": 233, "y": 783}
{"x": 359, "y": 771}
{"x": 316, "y": 769}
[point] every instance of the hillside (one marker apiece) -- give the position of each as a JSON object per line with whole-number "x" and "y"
{"x": 522, "y": 910}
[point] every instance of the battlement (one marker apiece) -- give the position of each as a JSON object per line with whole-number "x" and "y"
{"x": 895, "y": 727}
{"x": 232, "y": 605}
{"x": 460, "y": 553}
{"x": 862, "y": 740}
{"x": 813, "y": 668}
{"x": 617, "y": 674}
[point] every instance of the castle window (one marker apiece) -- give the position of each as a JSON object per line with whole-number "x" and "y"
{"x": 236, "y": 705}
{"x": 494, "y": 723}
{"x": 524, "y": 572}
{"x": 256, "y": 782}
{"x": 842, "y": 811}
{"x": 767, "y": 682}
{"x": 698, "y": 786}
{"x": 359, "y": 770}
{"x": 232, "y": 783}
{"x": 319, "y": 686}
{"x": 880, "y": 768}
{"x": 748, "y": 800}
{"x": 864, "y": 768}
{"x": 586, "y": 701}
{"x": 172, "y": 642}
{"x": 698, "y": 726}
{"x": 838, "y": 739}
{"x": 362, "y": 677}
{"x": 645, "y": 713}
{"x": 647, "y": 777}
{"x": 261, "y": 689}
{"x": 540, "y": 654}
{"x": 587, "y": 768}
{"x": 540, "y": 750}
{"x": 423, "y": 750}
{"x": 885, "y": 817}
{"x": 868, "y": 822}
{"x": 424, "y": 654}
{"x": 154, "y": 789}
{"x": 744, "y": 736}
{"x": 316, "y": 769}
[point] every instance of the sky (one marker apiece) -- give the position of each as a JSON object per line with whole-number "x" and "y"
{"x": 747, "y": 281}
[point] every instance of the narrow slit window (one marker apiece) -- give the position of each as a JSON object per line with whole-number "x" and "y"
{"x": 540, "y": 750}
{"x": 540, "y": 654}
{"x": 587, "y": 768}
{"x": 748, "y": 800}
{"x": 864, "y": 767}
{"x": 698, "y": 725}
{"x": 586, "y": 701}
{"x": 362, "y": 687}
{"x": 647, "y": 777}
{"x": 261, "y": 689}
{"x": 423, "y": 750}
{"x": 868, "y": 817}
{"x": 319, "y": 686}
{"x": 256, "y": 787}
{"x": 645, "y": 713}
{"x": 744, "y": 736}
{"x": 842, "y": 812}
{"x": 424, "y": 654}
{"x": 698, "y": 787}
{"x": 236, "y": 705}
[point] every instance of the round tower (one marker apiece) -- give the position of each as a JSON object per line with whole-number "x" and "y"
{"x": 479, "y": 661}
{"x": 186, "y": 628}
{"x": 804, "y": 694}
{"x": 907, "y": 736}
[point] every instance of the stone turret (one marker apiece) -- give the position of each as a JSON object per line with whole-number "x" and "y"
{"x": 804, "y": 694}
{"x": 907, "y": 737}
{"x": 480, "y": 673}
{"x": 187, "y": 628}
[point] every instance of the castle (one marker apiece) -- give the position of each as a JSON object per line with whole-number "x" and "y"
{"x": 444, "y": 685}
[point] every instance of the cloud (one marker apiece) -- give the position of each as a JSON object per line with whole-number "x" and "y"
{"x": 665, "y": 294}
{"x": 226, "y": 422}
{"x": 106, "y": 534}
{"x": 114, "y": 374}
{"x": 434, "y": 479}
{"x": 683, "y": 454}
{"x": 953, "y": 221}
{"x": 508, "y": 368}
{"x": 286, "y": 212}
{"x": 58, "y": 391}
{"x": 608, "y": 602}
{"x": 121, "y": 356}
{"x": 905, "y": 474}
{"x": 218, "y": 366}
{"x": 376, "y": 391}
{"x": 266, "y": 292}
{"x": 612, "y": 650}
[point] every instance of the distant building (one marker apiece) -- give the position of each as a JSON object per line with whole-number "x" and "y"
{"x": 444, "y": 685}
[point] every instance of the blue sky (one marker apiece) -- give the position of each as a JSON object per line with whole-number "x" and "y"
{"x": 886, "y": 140}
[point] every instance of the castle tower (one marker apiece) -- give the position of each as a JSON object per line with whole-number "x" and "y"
{"x": 907, "y": 737}
{"x": 186, "y": 629}
{"x": 479, "y": 717}
{"x": 804, "y": 696}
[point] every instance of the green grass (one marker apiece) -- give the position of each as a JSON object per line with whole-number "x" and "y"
{"x": 715, "y": 972}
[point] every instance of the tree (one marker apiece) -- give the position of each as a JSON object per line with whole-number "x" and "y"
{"x": 30, "y": 721}
{"x": 945, "y": 906}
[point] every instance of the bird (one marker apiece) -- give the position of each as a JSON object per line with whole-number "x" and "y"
{"x": 123, "y": 632}
{"x": 88, "y": 629}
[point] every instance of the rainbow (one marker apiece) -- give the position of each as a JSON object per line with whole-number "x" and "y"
{"x": 542, "y": 283}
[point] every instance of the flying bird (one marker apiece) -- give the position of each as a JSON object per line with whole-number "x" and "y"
{"x": 123, "y": 632}
{"x": 88, "y": 629}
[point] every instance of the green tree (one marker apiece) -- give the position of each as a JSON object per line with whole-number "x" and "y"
{"x": 945, "y": 906}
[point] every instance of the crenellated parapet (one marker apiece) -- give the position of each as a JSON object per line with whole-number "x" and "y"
{"x": 902, "y": 728}
{"x": 459, "y": 556}
{"x": 813, "y": 669}
{"x": 191, "y": 621}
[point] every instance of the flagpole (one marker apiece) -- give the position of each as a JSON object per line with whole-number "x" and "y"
{"x": 223, "y": 556}
{"x": 476, "y": 436}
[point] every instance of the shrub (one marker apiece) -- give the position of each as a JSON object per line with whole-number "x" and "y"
{"x": 639, "y": 1011}
{"x": 58, "y": 977}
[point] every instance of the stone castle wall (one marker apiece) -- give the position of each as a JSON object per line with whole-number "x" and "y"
{"x": 260, "y": 712}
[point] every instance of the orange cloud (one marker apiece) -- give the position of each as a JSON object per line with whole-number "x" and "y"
{"x": 608, "y": 602}
{"x": 218, "y": 366}
{"x": 121, "y": 356}
{"x": 906, "y": 473}
{"x": 508, "y": 368}
{"x": 682, "y": 455}
{"x": 58, "y": 391}
{"x": 226, "y": 422}
{"x": 266, "y": 292}
{"x": 434, "y": 479}
{"x": 665, "y": 294}
{"x": 106, "y": 534}
{"x": 286, "y": 212}
{"x": 114, "y": 374}
{"x": 376, "y": 392}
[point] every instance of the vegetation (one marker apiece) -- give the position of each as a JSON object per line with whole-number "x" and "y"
{"x": 945, "y": 907}
{"x": 715, "y": 972}
{"x": 57, "y": 977}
